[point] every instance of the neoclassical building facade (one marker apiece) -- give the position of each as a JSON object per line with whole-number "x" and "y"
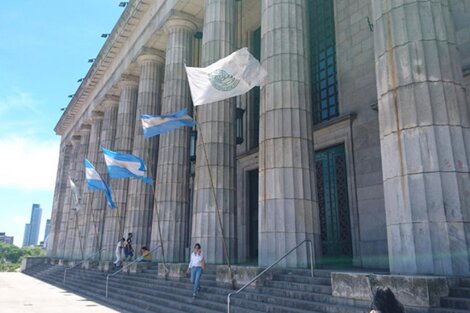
{"x": 359, "y": 141}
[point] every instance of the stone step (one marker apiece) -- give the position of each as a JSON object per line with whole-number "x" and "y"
{"x": 456, "y": 303}
{"x": 142, "y": 300}
{"x": 132, "y": 292}
{"x": 288, "y": 285}
{"x": 447, "y": 310}
{"x": 465, "y": 282}
{"x": 460, "y": 292}
{"x": 262, "y": 306}
{"x": 302, "y": 279}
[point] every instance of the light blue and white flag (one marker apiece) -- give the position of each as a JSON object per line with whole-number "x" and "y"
{"x": 158, "y": 124}
{"x": 96, "y": 182}
{"x": 121, "y": 165}
{"x": 229, "y": 77}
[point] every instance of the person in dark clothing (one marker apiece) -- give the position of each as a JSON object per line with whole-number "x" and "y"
{"x": 385, "y": 302}
{"x": 128, "y": 250}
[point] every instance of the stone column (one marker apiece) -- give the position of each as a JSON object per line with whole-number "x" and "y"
{"x": 82, "y": 186}
{"x": 141, "y": 194}
{"x": 425, "y": 138}
{"x": 73, "y": 239}
{"x": 111, "y": 231}
{"x": 172, "y": 182}
{"x": 216, "y": 127}
{"x": 64, "y": 222}
{"x": 59, "y": 198}
{"x": 123, "y": 143}
{"x": 97, "y": 203}
{"x": 91, "y": 242}
{"x": 287, "y": 199}
{"x": 79, "y": 179}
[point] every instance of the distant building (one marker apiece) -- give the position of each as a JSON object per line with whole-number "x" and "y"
{"x": 46, "y": 231}
{"x": 31, "y": 233}
{"x": 27, "y": 231}
{"x": 6, "y": 239}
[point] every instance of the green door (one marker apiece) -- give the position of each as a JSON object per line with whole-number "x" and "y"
{"x": 333, "y": 202}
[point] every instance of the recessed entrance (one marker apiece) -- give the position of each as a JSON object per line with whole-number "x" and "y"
{"x": 333, "y": 202}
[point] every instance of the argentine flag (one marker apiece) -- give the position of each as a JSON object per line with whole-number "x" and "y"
{"x": 121, "y": 165}
{"x": 96, "y": 182}
{"x": 158, "y": 124}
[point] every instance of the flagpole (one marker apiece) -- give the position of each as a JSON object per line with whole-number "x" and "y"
{"x": 154, "y": 173}
{"x": 217, "y": 209}
{"x": 159, "y": 228}
{"x": 79, "y": 234}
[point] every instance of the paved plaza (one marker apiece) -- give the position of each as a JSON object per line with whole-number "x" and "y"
{"x": 20, "y": 293}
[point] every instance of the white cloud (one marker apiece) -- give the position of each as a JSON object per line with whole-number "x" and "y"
{"x": 28, "y": 163}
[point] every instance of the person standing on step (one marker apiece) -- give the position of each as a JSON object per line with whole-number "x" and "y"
{"x": 128, "y": 250}
{"x": 197, "y": 265}
{"x": 118, "y": 251}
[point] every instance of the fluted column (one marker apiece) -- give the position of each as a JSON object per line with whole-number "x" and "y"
{"x": 73, "y": 250}
{"x": 80, "y": 183}
{"x": 141, "y": 195}
{"x": 97, "y": 204}
{"x": 216, "y": 127}
{"x": 123, "y": 143}
{"x": 59, "y": 198}
{"x": 92, "y": 227}
{"x": 425, "y": 137}
{"x": 111, "y": 231}
{"x": 172, "y": 182}
{"x": 287, "y": 204}
{"x": 65, "y": 220}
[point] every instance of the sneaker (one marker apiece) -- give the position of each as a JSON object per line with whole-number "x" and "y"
{"x": 194, "y": 295}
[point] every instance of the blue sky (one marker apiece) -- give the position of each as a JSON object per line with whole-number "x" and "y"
{"x": 44, "y": 50}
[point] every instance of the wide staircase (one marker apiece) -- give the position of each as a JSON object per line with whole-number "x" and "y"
{"x": 293, "y": 291}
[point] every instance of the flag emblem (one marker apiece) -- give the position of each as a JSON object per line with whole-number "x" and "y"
{"x": 223, "y": 81}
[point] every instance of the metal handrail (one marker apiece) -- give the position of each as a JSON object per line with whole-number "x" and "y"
{"x": 124, "y": 267}
{"x": 269, "y": 267}
{"x": 69, "y": 268}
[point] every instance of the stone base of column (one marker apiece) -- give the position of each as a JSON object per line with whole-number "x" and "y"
{"x": 106, "y": 266}
{"x": 29, "y": 262}
{"x": 62, "y": 262}
{"x": 242, "y": 275}
{"x": 173, "y": 270}
{"x": 90, "y": 265}
{"x": 412, "y": 291}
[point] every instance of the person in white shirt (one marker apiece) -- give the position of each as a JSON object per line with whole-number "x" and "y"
{"x": 197, "y": 264}
{"x": 117, "y": 252}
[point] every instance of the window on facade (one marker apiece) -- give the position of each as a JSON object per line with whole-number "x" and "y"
{"x": 323, "y": 60}
{"x": 255, "y": 93}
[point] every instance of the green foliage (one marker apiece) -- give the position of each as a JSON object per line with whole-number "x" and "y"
{"x": 9, "y": 267}
{"x": 11, "y": 255}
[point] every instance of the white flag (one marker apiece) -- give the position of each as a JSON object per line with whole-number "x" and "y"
{"x": 75, "y": 195}
{"x": 229, "y": 77}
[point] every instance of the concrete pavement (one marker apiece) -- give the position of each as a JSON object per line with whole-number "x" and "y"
{"x": 20, "y": 293}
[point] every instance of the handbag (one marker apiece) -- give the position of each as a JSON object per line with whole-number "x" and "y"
{"x": 203, "y": 264}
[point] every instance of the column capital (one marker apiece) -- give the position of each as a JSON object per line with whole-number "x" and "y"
{"x": 84, "y": 128}
{"x": 151, "y": 55}
{"x": 75, "y": 140}
{"x": 176, "y": 22}
{"x": 109, "y": 100}
{"x": 96, "y": 115}
{"x": 129, "y": 80}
